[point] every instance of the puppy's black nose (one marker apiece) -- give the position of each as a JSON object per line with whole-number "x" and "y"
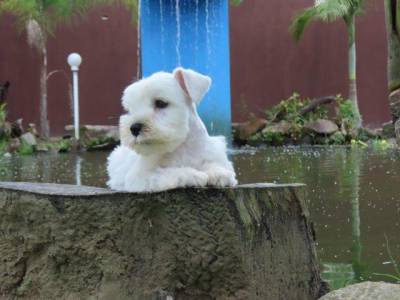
{"x": 136, "y": 128}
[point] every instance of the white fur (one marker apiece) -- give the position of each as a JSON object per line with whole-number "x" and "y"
{"x": 173, "y": 149}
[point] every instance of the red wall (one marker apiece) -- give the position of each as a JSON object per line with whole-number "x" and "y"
{"x": 109, "y": 54}
{"x": 267, "y": 65}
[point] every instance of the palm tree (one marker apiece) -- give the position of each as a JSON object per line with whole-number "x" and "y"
{"x": 329, "y": 11}
{"x": 392, "y": 8}
{"x": 40, "y": 18}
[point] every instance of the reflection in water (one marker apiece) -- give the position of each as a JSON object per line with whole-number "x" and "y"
{"x": 354, "y": 198}
{"x": 353, "y": 194}
{"x": 78, "y": 170}
{"x": 353, "y": 164}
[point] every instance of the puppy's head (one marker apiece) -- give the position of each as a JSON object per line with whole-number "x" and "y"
{"x": 158, "y": 110}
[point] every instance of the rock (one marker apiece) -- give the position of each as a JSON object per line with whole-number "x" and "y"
{"x": 282, "y": 127}
{"x": 388, "y": 130}
{"x": 391, "y": 143}
{"x": 394, "y": 104}
{"x": 107, "y": 146}
{"x": 243, "y": 131}
{"x": 96, "y": 131}
{"x": 17, "y": 128}
{"x": 29, "y": 139}
{"x": 370, "y": 133}
{"x": 97, "y": 137}
{"x": 252, "y": 242}
{"x": 322, "y": 126}
{"x": 32, "y": 129}
{"x": 42, "y": 148}
{"x": 366, "y": 291}
{"x": 13, "y": 145}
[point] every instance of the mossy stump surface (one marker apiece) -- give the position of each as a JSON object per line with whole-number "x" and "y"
{"x": 67, "y": 242}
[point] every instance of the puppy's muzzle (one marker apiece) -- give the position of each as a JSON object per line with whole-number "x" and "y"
{"x": 136, "y": 129}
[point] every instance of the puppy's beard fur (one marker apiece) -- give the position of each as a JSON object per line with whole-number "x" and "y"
{"x": 152, "y": 140}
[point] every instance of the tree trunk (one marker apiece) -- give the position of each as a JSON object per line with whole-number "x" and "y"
{"x": 44, "y": 122}
{"x": 357, "y": 122}
{"x": 392, "y": 9}
{"x": 252, "y": 242}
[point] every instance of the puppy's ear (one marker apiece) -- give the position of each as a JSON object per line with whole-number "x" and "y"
{"x": 128, "y": 94}
{"x": 194, "y": 84}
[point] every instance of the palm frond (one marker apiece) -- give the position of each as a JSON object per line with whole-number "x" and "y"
{"x": 133, "y": 7}
{"x": 324, "y": 10}
{"x": 301, "y": 22}
{"x": 47, "y": 13}
{"x": 236, "y": 2}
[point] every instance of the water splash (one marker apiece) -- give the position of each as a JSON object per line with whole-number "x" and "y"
{"x": 196, "y": 45}
{"x": 208, "y": 32}
{"x": 162, "y": 29}
{"x": 178, "y": 31}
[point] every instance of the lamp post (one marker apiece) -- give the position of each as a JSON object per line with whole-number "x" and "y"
{"x": 74, "y": 60}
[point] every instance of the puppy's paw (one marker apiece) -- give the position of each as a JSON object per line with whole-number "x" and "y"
{"x": 194, "y": 178}
{"x": 172, "y": 178}
{"x": 221, "y": 177}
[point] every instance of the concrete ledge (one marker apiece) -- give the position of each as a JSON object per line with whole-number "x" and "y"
{"x": 83, "y": 191}
{"x": 68, "y": 242}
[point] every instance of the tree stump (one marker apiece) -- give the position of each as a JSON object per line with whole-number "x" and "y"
{"x": 73, "y": 242}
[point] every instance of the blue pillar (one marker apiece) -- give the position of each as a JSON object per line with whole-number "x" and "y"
{"x": 193, "y": 34}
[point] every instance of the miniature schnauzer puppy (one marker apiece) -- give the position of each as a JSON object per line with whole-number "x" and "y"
{"x": 164, "y": 143}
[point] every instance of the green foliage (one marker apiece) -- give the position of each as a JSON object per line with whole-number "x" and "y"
{"x": 64, "y": 145}
{"x": 346, "y": 109}
{"x": 3, "y": 112}
{"x": 286, "y": 122}
{"x": 5, "y": 128}
{"x": 274, "y": 138}
{"x": 349, "y": 117}
{"x": 47, "y": 13}
{"x": 346, "y": 114}
{"x": 236, "y": 2}
{"x": 3, "y": 146}
{"x": 337, "y": 138}
{"x": 327, "y": 11}
{"x": 289, "y": 110}
{"x": 25, "y": 149}
{"x": 381, "y": 145}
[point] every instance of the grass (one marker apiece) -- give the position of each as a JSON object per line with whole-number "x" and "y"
{"x": 395, "y": 277}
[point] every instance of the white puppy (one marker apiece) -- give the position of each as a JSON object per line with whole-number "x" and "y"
{"x": 164, "y": 144}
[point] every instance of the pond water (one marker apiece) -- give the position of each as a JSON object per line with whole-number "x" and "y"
{"x": 353, "y": 196}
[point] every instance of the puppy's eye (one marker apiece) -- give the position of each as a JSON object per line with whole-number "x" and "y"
{"x": 160, "y": 104}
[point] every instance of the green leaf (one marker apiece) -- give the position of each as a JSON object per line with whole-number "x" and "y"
{"x": 326, "y": 11}
{"x": 236, "y": 2}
